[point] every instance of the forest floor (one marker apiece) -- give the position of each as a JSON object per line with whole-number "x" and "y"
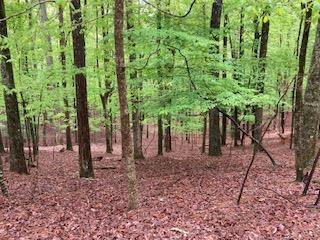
{"x": 183, "y": 195}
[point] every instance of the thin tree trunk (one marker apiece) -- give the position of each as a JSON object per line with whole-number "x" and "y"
{"x": 160, "y": 122}
{"x": 295, "y": 82}
{"x": 1, "y": 144}
{"x": 204, "y": 133}
{"x": 135, "y": 91}
{"x": 63, "y": 45}
{"x": 123, "y": 102}
{"x": 167, "y": 142}
{"x": 224, "y": 76}
{"x": 160, "y": 136}
{"x": 105, "y": 96}
{"x": 49, "y": 59}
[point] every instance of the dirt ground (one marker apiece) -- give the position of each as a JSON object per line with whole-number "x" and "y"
{"x": 183, "y": 195}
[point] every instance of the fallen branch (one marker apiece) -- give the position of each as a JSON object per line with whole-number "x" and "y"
{"x": 175, "y": 229}
{"x": 280, "y": 195}
{"x": 251, "y": 137}
{"x": 277, "y": 108}
{"x": 106, "y": 168}
{"x": 246, "y": 176}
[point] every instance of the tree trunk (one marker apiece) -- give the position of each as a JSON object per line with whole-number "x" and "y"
{"x": 214, "y": 133}
{"x": 17, "y": 159}
{"x": 294, "y": 84}
{"x": 204, "y": 134}
{"x": 63, "y": 45}
{"x": 85, "y": 160}
{"x": 258, "y": 113}
{"x": 49, "y": 59}
{"x": 135, "y": 91}
{"x": 214, "y": 118}
{"x": 224, "y": 76}
{"x": 1, "y": 144}
{"x": 299, "y": 93}
{"x": 159, "y": 71}
{"x": 160, "y": 136}
{"x": 310, "y": 112}
{"x": 123, "y": 102}
{"x": 167, "y": 138}
{"x": 107, "y": 92}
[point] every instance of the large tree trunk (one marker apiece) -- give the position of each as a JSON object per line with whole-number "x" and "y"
{"x": 310, "y": 112}
{"x": 63, "y": 45}
{"x": 299, "y": 93}
{"x": 214, "y": 133}
{"x": 214, "y": 117}
{"x": 123, "y": 102}
{"x": 85, "y": 160}
{"x": 258, "y": 113}
{"x": 17, "y": 159}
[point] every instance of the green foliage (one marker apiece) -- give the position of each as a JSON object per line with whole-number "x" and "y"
{"x": 169, "y": 61}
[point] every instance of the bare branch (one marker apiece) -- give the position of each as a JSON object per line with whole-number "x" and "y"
{"x": 170, "y": 14}
{"x": 26, "y": 10}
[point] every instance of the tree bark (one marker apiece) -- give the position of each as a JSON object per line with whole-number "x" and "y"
{"x": 135, "y": 91}
{"x": 224, "y": 76}
{"x": 258, "y": 113}
{"x": 160, "y": 121}
{"x": 204, "y": 133}
{"x": 310, "y": 112}
{"x": 1, "y": 144}
{"x": 85, "y": 160}
{"x": 123, "y": 102}
{"x": 17, "y": 159}
{"x": 214, "y": 117}
{"x": 299, "y": 165}
{"x": 49, "y": 59}
{"x": 214, "y": 133}
{"x": 167, "y": 138}
{"x": 294, "y": 84}
{"x": 63, "y": 45}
